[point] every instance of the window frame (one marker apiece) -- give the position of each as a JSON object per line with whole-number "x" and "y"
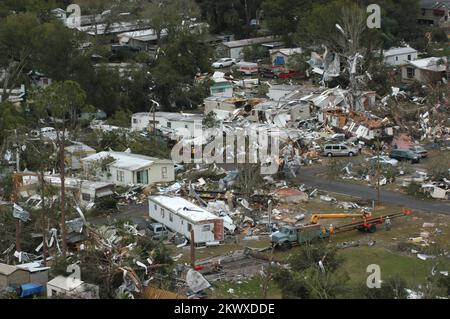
{"x": 120, "y": 176}
{"x": 164, "y": 172}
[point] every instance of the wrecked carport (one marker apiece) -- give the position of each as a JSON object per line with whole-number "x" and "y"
{"x": 234, "y": 266}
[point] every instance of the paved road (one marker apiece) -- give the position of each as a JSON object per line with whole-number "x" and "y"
{"x": 312, "y": 177}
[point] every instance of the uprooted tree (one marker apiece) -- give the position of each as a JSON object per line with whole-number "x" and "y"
{"x": 315, "y": 273}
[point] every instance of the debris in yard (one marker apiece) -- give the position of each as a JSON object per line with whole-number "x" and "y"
{"x": 327, "y": 199}
{"x": 425, "y": 257}
{"x": 20, "y": 213}
{"x": 196, "y": 281}
{"x": 425, "y": 235}
{"x": 251, "y": 238}
{"x": 348, "y": 205}
{"x": 414, "y": 294}
{"x": 347, "y": 244}
{"x": 322, "y": 268}
{"x": 290, "y": 195}
{"x": 183, "y": 244}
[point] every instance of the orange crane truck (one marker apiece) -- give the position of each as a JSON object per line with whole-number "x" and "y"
{"x": 289, "y": 236}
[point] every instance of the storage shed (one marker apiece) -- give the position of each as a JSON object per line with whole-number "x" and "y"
{"x": 11, "y": 275}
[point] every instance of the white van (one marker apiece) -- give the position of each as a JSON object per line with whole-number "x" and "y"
{"x": 45, "y": 132}
{"x": 247, "y": 68}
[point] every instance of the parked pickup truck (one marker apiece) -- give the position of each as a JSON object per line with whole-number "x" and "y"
{"x": 157, "y": 231}
{"x": 405, "y": 155}
{"x": 419, "y": 150}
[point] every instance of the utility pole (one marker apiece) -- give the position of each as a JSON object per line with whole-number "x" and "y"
{"x": 154, "y": 116}
{"x": 17, "y": 152}
{"x": 378, "y": 146}
{"x": 18, "y": 221}
{"x": 192, "y": 249}
{"x": 246, "y": 13}
{"x": 270, "y": 216}
{"x": 44, "y": 220}
{"x": 15, "y": 190}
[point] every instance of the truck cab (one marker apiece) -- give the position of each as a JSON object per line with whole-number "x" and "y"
{"x": 284, "y": 237}
{"x": 158, "y": 231}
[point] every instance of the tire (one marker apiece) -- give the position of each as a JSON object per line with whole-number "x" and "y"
{"x": 285, "y": 246}
{"x": 329, "y": 155}
{"x": 351, "y": 154}
{"x": 221, "y": 66}
{"x": 275, "y": 77}
{"x": 372, "y": 229}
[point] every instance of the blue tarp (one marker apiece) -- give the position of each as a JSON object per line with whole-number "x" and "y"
{"x": 31, "y": 289}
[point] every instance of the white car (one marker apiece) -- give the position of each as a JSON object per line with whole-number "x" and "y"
{"x": 222, "y": 63}
{"x": 385, "y": 160}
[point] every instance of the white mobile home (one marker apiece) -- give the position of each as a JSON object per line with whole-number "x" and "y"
{"x": 84, "y": 192}
{"x": 167, "y": 122}
{"x": 399, "y": 56}
{"x": 181, "y": 216}
{"x": 234, "y": 49}
{"x": 124, "y": 169}
{"x": 428, "y": 70}
{"x": 74, "y": 154}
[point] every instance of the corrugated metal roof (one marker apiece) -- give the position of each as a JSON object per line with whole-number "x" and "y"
{"x": 247, "y": 42}
{"x": 398, "y": 51}
{"x": 126, "y": 161}
{"x": 430, "y": 64}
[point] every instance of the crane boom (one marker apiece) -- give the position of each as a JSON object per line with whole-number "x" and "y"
{"x": 316, "y": 217}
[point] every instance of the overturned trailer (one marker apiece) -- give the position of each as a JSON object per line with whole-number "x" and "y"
{"x": 181, "y": 216}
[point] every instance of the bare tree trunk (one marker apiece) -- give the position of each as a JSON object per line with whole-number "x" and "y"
{"x": 63, "y": 192}
{"x": 12, "y": 73}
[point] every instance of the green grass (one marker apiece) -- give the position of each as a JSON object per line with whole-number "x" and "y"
{"x": 410, "y": 268}
{"x": 246, "y": 289}
{"x": 228, "y": 247}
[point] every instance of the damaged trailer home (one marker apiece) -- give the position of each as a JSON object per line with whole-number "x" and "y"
{"x": 362, "y": 125}
{"x": 182, "y": 216}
